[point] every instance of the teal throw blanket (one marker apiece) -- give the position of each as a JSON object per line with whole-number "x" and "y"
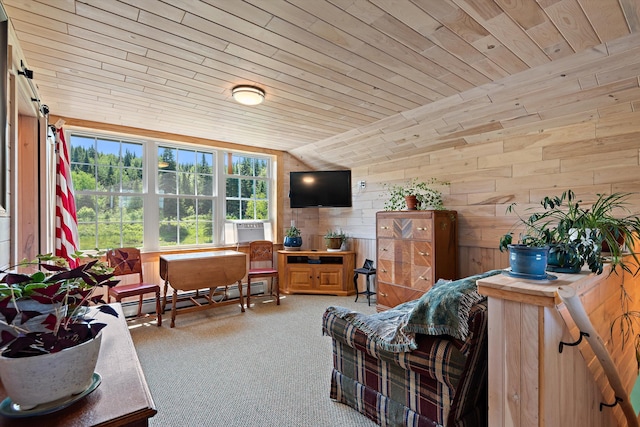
{"x": 444, "y": 309}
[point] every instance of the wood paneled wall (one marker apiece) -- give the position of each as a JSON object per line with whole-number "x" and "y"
{"x": 27, "y": 244}
{"x": 597, "y": 154}
{"x": 304, "y": 219}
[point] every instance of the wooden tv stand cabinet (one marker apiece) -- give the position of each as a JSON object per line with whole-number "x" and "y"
{"x": 316, "y": 272}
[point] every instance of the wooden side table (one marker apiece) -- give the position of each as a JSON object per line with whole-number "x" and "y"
{"x": 368, "y": 272}
{"x": 202, "y": 270}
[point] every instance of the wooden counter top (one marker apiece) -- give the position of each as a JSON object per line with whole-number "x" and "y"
{"x": 536, "y": 292}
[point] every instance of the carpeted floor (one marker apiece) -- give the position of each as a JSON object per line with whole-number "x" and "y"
{"x": 269, "y": 366}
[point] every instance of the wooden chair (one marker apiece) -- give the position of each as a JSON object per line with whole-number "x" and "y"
{"x": 261, "y": 265}
{"x": 126, "y": 261}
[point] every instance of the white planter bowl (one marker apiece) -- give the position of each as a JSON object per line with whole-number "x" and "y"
{"x": 31, "y": 381}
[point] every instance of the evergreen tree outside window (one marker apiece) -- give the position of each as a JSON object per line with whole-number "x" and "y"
{"x": 247, "y": 187}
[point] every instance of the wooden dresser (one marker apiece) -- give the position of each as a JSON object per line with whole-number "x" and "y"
{"x": 415, "y": 249}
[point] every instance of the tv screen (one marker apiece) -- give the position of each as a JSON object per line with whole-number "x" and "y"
{"x": 330, "y": 189}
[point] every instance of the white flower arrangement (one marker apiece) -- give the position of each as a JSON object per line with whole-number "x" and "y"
{"x": 428, "y": 196}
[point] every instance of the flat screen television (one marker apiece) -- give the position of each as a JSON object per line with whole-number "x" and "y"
{"x": 313, "y": 189}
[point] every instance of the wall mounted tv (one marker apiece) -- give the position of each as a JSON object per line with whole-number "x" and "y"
{"x": 325, "y": 189}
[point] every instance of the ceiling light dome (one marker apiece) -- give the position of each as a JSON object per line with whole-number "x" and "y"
{"x": 248, "y": 95}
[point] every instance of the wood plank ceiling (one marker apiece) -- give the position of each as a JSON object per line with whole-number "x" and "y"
{"x": 348, "y": 82}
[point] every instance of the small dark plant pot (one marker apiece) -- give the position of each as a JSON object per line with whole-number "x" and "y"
{"x": 528, "y": 260}
{"x": 560, "y": 262}
{"x": 619, "y": 240}
{"x": 411, "y": 202}
{"x": 333, "y": 243}
{"x": 292, "y": 243}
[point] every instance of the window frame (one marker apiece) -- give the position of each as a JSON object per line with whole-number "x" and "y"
{"x": 228, "y": 154}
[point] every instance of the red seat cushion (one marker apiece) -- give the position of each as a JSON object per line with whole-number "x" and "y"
{"x": 124, "y": 291}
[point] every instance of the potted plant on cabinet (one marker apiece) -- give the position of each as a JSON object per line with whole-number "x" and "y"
{"x": 414, "y": 194}
{"x": 335, "y": 239}
{"x": 575, "y": 233}
{"x": 292, "y": 239}
{"x": 528, "y": 257}
{"x": 51, "y": 360}
{"x": 560, "y": 227}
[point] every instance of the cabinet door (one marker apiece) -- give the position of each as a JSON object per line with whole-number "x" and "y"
{"x": 300, "y": 277}
{"x": 329, "y": 278}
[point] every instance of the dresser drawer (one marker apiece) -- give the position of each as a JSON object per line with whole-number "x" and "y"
{"x": 407, "y": 251}
{"x": 405, "y": 274}
{"x": 385, "y": 227}
{"x": 388, "y": 249}
{"x": 421, "y": 252}
{"x": 406, "y": 228}
{"x": 389, "y": 295}
{"x": 385, "y": 270}
{"x": 422, "y": 229}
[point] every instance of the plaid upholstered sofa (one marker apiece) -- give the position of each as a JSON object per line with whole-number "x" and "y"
{"x": 409, "y": 367}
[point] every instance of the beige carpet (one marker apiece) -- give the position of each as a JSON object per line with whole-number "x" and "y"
{"x": 269, "y": 366}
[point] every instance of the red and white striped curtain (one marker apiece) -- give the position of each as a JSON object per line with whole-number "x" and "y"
{"x": 66, "y": 219}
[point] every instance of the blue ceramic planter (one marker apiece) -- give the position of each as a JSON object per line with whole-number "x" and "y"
{"x": 292, "y": 242}
{"x": 558, "y": 262}
{"x": 528, "y": 261}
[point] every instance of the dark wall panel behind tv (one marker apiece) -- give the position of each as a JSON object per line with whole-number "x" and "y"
{"x": 320, "y": 189}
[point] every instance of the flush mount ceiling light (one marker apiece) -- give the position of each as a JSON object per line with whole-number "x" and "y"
{"x": 248, "y": 95}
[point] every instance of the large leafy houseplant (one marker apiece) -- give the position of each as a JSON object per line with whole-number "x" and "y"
{"x": 67, "y": 291}
{"x": 426, "y": 193}
{"x": 575, "y": 233}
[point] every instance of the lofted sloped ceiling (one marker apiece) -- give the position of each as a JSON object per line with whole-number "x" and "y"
{"x": 347, "y": 82}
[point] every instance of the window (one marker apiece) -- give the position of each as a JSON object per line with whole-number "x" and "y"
{"x": 186, "y": 196}
{"x": 153, "y": 195}
{"x": 108, "y": 180}
{"x": 247, "y": 187}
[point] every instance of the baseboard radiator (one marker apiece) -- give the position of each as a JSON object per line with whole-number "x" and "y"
{"x": 130, "y": 308}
